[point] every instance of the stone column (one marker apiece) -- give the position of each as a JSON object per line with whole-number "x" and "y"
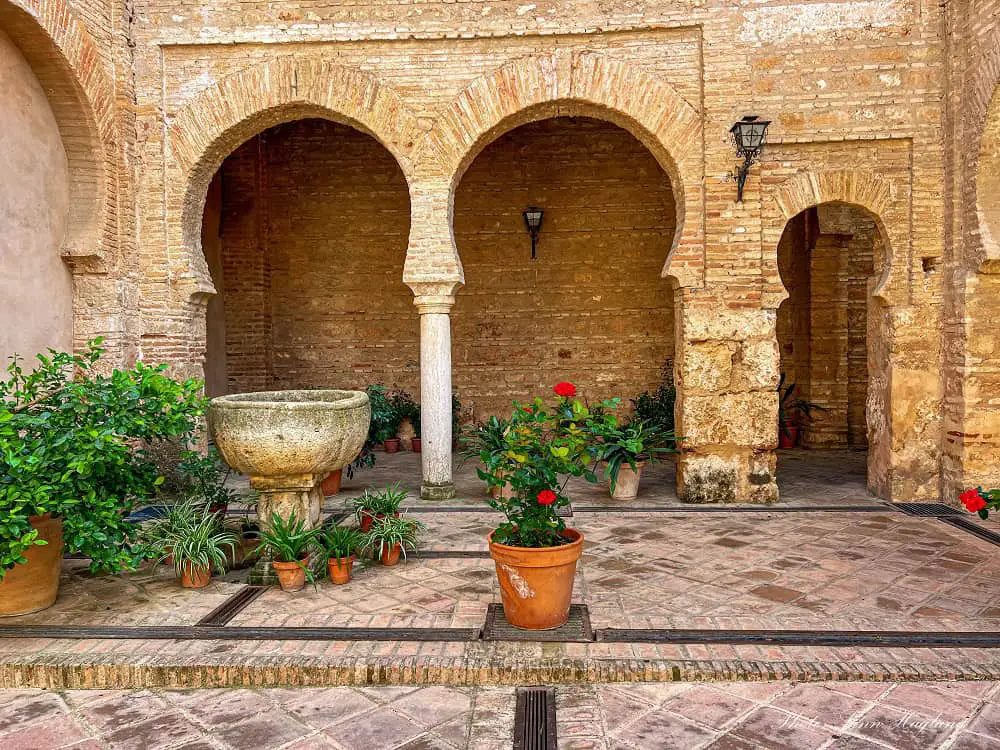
{"x": 435, "y": 394}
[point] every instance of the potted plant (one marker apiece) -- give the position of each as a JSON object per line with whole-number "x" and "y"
{"x": 156, "y": 534}
{"x": 373, "y": 504}
{"x": 331, "y": 483}
{"x": 415, "y": 440}
{"x": 74, "y": 463}
{"x": 385, "y": 419}
{"x": 657, "y": 407}
{"x": 391, "y": 536}
{"x": 793, "y": 412}
{"x": 288, "y": 542}
{"x": 196, "y": 547}
{"x": 408, "y": 412}
{"x": 534, "y": 551}
{"x": 342, "y": 543}
{"x": 487, "y": 442}
{"x": 625, "y": 449}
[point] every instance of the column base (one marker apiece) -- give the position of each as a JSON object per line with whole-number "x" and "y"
{"x": 735, "y": 478}
{"x": 442, "y": 491}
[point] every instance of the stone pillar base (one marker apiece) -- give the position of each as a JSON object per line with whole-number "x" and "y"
{"x": 299, "y": 495}
{"x": 442, "y": 491}
{"x": 736, "y": 478}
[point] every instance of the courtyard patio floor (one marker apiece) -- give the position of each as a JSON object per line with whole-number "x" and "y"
{"x": 827, "y": 559}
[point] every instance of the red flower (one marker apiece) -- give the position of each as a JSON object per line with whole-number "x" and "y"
{"x": 546, "y": 497}
{"x": 972, "y": 501}
{"x": 564, "y": 389}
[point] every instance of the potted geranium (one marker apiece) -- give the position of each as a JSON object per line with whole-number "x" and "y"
{"x": 74, "y": 463}
{"x": 624, "y": 451}
{"x": 391, "y": 536}
{"x": 288, "y": 543}
{"x": 535, "y": 552}
{"x": 981, "y": 501}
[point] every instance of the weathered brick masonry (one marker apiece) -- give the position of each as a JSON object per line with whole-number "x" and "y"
{"x": 321, "y": 236}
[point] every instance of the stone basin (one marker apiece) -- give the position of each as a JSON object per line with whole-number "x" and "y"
{"x": 272, "y": 434}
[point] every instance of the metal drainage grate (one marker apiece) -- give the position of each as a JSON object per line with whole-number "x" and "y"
{"x": 445, "y": 554}
{"x": 730, "y": 509}
{"x": 853, "y": 638}
{"x": 235, "y": 604}
{"x": 576, "y": 630}
{"x": 229, "y": 633}
{"x": 928, "y": 510}
{"x": 535, "y": 719}
{"x": 973, "y": 528}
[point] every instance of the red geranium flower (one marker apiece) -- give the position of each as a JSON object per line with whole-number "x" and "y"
{"x": 564, "y": 389}
{"x": 972, "y": 501}
{"x": 546, "y": 497}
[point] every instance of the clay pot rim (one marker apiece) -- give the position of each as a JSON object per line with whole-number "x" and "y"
{"x": 349, "y": 558}
{"x": 282, "y": 565}
{"x": 555, "y": 556}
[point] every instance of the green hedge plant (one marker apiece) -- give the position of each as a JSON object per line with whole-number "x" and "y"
{"x": 72, "y": 443}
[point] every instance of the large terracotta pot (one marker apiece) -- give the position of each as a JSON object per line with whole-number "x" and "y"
{"x": 194, "y": 577}
{"x": 331, "y": 485}
{"x": 536, "y": 583}
{"x": 627, "y": 486}
{"x": 34, "y": 585}
{"x": 339, "y": 568}
{"x": 291, "y": 575}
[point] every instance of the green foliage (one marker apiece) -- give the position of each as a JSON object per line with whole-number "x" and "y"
{"x": 541, "y": 448}
{"x": 385, "y": 418}
{"x": 205, "y": 477}
{"x": 342, "y": 541}
{"x": 72, "y": 444}
{"x": 657, "y": 408}
{"x": 389, "y": 531}
{"x": 193, "y": 536}
{"x": 793, "y": 410}
{"x": 385, "y": 501}
{"x": 406, "y": 408}
{"x": 287, "y": 541}
{"x": 629, "y": 443}
{"x": 457, "y": 414}
{"x": 482, "y": 437}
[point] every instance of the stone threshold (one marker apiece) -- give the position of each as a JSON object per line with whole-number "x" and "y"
{"x": 69, "y": 671}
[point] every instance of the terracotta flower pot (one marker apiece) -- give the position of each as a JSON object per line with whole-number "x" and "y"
{"x": 34, "y": 585}
{"x": 390, "y": 556}
{"x": 291, "y": 575}
{"x": 218, "y": 508}
{"x": 340, "y": 568}
{"x": 331, "y": 485}
{"x": 415, "y": 444}
{"x": 194, "y": 577}
{"x": 392, "y": 445}
{"x": 627, "y": 486}
{"x": 789, "y": 436}
{"x": 368, "y": 519}
{"x": 536, "y": 583}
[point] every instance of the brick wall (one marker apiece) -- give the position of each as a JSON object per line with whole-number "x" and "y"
{"x": 592, "y": 308}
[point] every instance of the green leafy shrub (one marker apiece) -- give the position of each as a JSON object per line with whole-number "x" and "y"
{"x": 72, "y": 444}
{"x": 657, "y": 408}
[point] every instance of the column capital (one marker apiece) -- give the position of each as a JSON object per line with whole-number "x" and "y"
{"x": 434, "y": 297}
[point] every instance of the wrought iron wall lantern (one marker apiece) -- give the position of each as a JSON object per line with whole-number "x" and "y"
{"x": 749, "y": 135}
{"x": 533, "y": 222}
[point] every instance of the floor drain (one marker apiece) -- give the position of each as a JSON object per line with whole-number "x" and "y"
{"x": 576, "y": 630}
{"x": 535, "y": 719}
{"x": 225, "y": 612}
{"x": 928, "y": 510}
{"x": 973, "y": 528}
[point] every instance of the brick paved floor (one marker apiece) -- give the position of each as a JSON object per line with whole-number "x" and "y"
{"x": 652, "y": 716}
{"x": 821, "y": 569}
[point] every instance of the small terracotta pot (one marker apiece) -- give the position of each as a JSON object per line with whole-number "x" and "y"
{"x": 392, "y": 445}
{"x": 627, "y": 486}
{"x": 195, "y": 577}
{"x": 536, "y": 583}
{"x": 390, "y": 556}
{"x": 331, "y": 485}
{"x": 218, "y": 508}
{"x": 34, "y": 585}
{"x": 291, "y": 575}
{"x": 789, "y": 440}
{"x": 367, "y": 519}
{"x": 340, "y": 569}
{"x": 415, "y": 444}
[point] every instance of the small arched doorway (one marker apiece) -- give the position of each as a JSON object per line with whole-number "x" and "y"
{"x": 304, "y": 230}
{"x": 832, "y": 362}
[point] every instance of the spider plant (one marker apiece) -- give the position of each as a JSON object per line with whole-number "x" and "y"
{"x": 375, "y": 503}
{"x": 158, "y": 535}
{"x": 200, "y": 545}
{"x": 342, "y": 541}
{"x": 287, "y": 540}
{"x": 392, "y": 535}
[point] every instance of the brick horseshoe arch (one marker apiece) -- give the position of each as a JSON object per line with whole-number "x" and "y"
{"x": 583, "y": 84}
{"x": 863, "y": 189}
{"x": 80, "y": 92}
{"x": 243, "y": 104}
